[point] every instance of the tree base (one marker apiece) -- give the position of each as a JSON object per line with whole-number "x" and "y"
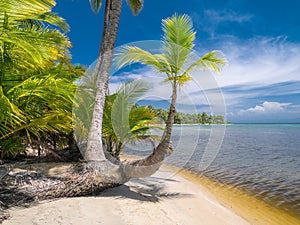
{"x": 25, "y": 187}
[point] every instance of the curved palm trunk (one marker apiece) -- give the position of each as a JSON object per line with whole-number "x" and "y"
{"x": 119, "y": 172}
{"x": 94, "y": 151}
{"x": 149, "y": 165}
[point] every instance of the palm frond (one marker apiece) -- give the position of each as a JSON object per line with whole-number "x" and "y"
{"x": 27, "y": 7}
{"x": 140, "y": 117}
{"x": 10, "y": 115}
{"x": 177, "y": 40}
{"x": 53, "y": 19}
{"x": 135, "y": 5}
{"x": 26, "y": 41}
{"x": 178, "y": 30}
{"x": 45, "y": 104}
{"x": 181, "y": 80}
{"x": 95, "y": 5}
{"x": 130, "y": 54}
{"x": 213, "y": 60}
{"x": 124, "y": 101}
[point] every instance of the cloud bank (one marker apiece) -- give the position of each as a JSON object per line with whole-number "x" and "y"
{"x": 267, "y": 107}
{"x": 263, "y": 76}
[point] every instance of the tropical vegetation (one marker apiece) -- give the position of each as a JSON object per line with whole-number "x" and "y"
{"x": 36, "y": 77}
{"x": 138, "y": 122}
{"x": 174, "y": 63}
{"x": 123, "y": 121}
{"x": 38, "y": 85}
{"x": 188, "y": 118}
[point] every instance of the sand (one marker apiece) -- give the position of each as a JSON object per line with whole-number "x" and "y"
{"x": 164, "y": 198}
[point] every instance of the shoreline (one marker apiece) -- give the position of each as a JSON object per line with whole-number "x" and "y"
{"x": 169, "y": 186}
{"x": 254, "y": 210}
{"x": 162, "y": 199}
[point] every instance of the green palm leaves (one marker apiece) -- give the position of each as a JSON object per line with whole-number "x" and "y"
{"x": 40, "y": 104}
{"x": 36, "y": 85}
{"x": 122, "y": 122}
{"x": 10, "y": 114}
{"x": 177, "y": 41}
{"x": 95, "y": 5}
{"x": 47, "y": 102}
{"x": 177, "y": 49}
{"x": 38, "y": 107}
{"x": 135, "y": 5}
{"x": 26, "y": 41}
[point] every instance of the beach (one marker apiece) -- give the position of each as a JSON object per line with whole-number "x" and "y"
{"x": 164, "y": 198}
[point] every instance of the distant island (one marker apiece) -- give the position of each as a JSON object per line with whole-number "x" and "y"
{"x": 187, "y": 118}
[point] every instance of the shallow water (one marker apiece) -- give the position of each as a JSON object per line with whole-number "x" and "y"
{"x": 262, "y": 159}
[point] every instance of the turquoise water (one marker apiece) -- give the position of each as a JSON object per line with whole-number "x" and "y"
{"x": 262, "y": 159}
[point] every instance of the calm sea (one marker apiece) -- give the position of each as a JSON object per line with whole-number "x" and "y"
{"x": 262, "y": 159}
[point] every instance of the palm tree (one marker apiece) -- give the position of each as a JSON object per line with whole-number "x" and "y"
{"x": 173, "y": 62}
{"x": 36, "y": 89}
{"x": 94, "y": 151}
{"x": 26, "y": 42}
{"x": 39, "y": 107}
{"x": 123, "y": 122}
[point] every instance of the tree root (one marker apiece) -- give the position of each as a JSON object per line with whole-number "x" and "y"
{"x": 24, "y": 187}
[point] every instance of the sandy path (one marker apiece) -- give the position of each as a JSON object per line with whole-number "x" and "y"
{"x": 162, "y": 199}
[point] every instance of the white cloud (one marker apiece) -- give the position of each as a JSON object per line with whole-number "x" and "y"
{"x": 256, "y": 67}
{"x": 226, "y": 15}
{"x": 267, "y": 107}
{"x": 259, "y": 64}
{"x": 210, "y": 20}
{"x": 260, "y": 61}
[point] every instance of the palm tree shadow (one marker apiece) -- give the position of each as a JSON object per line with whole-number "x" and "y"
{"x": 145, "y": 190}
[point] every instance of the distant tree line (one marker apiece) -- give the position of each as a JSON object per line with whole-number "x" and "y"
{"x": 187, "y": 118}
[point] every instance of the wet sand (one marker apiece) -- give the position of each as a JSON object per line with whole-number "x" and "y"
{"x": 252, "y": 209}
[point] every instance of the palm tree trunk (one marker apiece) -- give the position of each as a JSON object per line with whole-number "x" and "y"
{"x": 94, "y": 151}
{"x": 94, "y": 154}
{"x": 149, "y": 165}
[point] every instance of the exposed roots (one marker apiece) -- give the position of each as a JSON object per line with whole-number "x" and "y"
{"x": 23, "y": 187}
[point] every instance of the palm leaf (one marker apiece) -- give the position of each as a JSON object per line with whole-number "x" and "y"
{"x": 213, "y": 60}
{"x": 179, "y": 79}
{"x": 10, "y": 115}
{"x": 46, "y": 103}
{"x": 26, "y": 41}
{"x": 177, "y": 40}
{"x": 135, "y": 5}
{"x": 124, "y": 101}
{"x": 95, "y": 5}
{"x": 129, "y": 55}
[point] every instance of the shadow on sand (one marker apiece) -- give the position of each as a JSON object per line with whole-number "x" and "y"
{"x": 151, "y": 189}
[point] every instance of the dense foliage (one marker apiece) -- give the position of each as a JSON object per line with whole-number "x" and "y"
{"x": 187, "y": 118}
{"x": 36, "y": 77}
{"x": 123, "y": 121}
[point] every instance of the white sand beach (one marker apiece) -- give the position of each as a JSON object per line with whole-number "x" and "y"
{"x": 164, "y": 198}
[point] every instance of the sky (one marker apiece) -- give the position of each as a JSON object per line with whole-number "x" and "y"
{"x": 259, "y": 38}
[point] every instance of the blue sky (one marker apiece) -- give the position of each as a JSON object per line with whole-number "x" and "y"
{"x": 261, "y": 40}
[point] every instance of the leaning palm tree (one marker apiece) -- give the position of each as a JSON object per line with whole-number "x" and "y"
{"x": 94, "y": 151}
{"x": 173, "y": 62}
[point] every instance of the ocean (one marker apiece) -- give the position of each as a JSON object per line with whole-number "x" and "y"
{"x": 260, "y": 159}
